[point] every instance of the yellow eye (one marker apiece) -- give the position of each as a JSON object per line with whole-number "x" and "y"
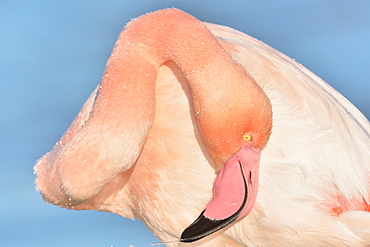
{"x": 247, "y": 137}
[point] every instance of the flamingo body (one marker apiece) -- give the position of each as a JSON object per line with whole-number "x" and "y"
{"x": 314, "y": 172}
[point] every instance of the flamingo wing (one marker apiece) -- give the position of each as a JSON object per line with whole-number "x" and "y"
{"x": 318, "y": 156}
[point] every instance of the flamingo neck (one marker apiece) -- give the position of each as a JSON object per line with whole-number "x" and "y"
{"x": 218, "y": 84}
{"x": 120, "y": 116}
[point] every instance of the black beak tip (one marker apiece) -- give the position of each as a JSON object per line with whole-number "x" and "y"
{"x": 203, "y": 227}
{"x": 199, "y": 229}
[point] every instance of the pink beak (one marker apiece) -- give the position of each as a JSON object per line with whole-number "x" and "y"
{"x": 234, "y": 194}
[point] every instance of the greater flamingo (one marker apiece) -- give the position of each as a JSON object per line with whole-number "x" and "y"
{"x": 191, "y": 116}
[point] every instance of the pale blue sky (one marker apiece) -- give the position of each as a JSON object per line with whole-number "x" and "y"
{"x": 52, "y": 55}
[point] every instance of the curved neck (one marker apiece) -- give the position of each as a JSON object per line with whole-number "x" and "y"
{"x": 214, "y": 77}
{"x": 109, "y": 140}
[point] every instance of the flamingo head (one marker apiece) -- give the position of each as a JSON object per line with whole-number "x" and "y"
{"x": 235, "y": 136}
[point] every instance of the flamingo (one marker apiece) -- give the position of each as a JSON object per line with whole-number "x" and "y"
{"x": 213, "y": 138}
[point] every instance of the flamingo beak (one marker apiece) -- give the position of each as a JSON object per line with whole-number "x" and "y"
{"x": 234, "y": 194}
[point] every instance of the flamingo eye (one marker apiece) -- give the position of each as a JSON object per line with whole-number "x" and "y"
{"x": 247, "y": 137}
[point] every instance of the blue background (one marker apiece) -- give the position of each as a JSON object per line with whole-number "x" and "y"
{"x": 52, "y": 55}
